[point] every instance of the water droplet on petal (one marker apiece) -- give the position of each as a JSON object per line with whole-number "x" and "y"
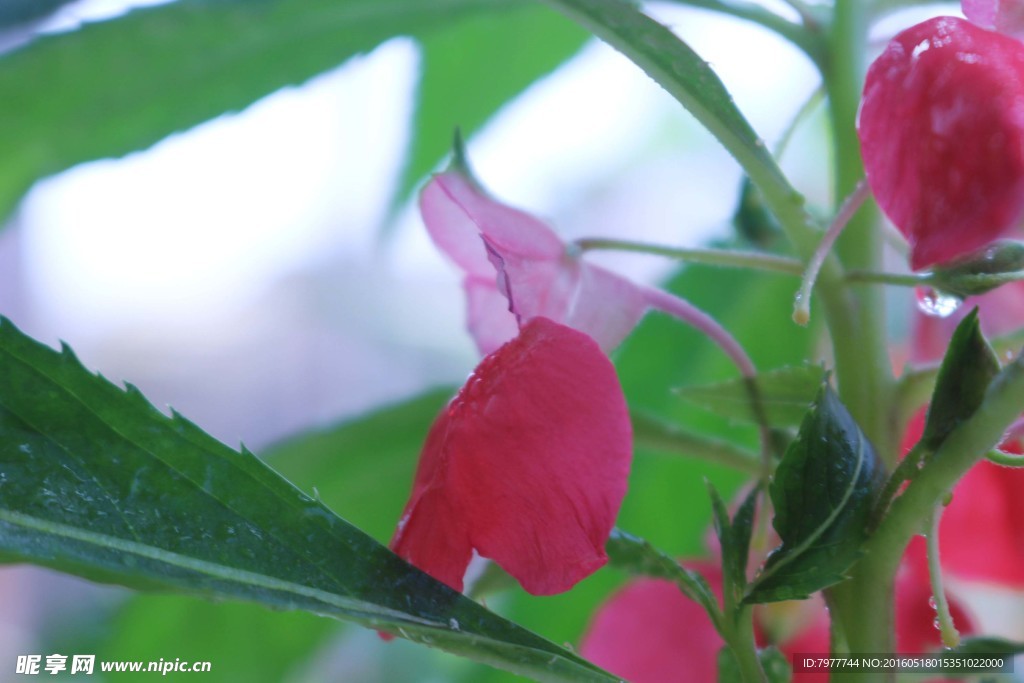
{"x": 935, "y": 303}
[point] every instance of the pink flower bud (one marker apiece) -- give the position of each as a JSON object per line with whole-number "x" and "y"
{"x": 941, "y": 128}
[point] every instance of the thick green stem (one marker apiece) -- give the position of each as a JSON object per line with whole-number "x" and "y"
{"x": 741, "y": 641}
{"x": 864, "y": 604}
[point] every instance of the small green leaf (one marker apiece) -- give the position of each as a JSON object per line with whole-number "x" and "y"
{"x": 639, "y": 557}
{"x": 96, "y": 482}
{"x": 967, "y": 370}
{"x": 734, "y": 537}
{"x": 983, "y": 645}
{"x": 823, "y": 493}
{"x": 786, "y": 393}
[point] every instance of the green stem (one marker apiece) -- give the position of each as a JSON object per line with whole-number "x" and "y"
{"x": 712, "y": 257}
{"x": 1002, "y": 459}
{"x": 947, "y": 629}
{"x": 864, "y": 604}
{"x": 901, "y": 279}
{"x": 740, "y": 639}
{"x": 964, "y": 446}
{"x": 658, "y": 435}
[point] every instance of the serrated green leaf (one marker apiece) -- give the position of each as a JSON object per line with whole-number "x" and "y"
{"x": 657, "y": 434}
{"x": 98, "y": 483}
{"x": 967, "y": 370}
{"x": 786, "y": 394}
{"x": 114, "y": 87}
{"x": 458, "y": 91}
{"x": 638, "y": 557}
{"x": 823, "y": 493}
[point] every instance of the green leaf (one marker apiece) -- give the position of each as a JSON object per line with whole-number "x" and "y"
{"x": 98, "y": 483}
{"x": 362, "y": 468}
{"x": 984, "y": 645}
{"x": 640, "y": 558}
{"x": 114, "y": 87}
{"x": 734, "y": 537}
{"x": 456, "y": 91}
{"x": 967, "y": 370}
{"x": 786, "y": 393}
{"x": 681, "y": 71}
{"x": 823, "y": 494}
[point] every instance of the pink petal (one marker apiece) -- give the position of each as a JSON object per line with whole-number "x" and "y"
{"x": 581, "y": 295}
{"x": 942, "y": 135}
{"x": 457, "y": 214}
{"x": 539, "y": 450}
{"x": 649, "y": 632}
{"x": 982, "y": 530}
{"x": 528, "y": 465}
{"x": 1005, "y": 16}
{"x": 491, "y": 323}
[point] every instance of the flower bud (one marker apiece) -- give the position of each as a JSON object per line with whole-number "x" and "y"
{"x": 941, "y": 128}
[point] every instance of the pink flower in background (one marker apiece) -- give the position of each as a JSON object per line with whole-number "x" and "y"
{"x": 1005, "y": 16}
{"x": 527, "y": 465}
{"x": 649, "y": 632}
{"x": 516, "y": 269}
{"x": 982, "y": 529}
{"x": 941, "y": 128}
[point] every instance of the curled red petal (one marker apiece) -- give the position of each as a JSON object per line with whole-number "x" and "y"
{"x": 941, "y": 127}
{"x": 527, "y": 465}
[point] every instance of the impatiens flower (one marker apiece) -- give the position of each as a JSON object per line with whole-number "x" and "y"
{"x": 941, "y": 127}
{"x": 650, "y": 633}
{"x": 1005, "y": 16}
{"x": 517, "y": 269}
{"x": 527, "y": 465}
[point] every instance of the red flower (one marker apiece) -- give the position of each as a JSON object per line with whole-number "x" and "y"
{"x": 650, "y": 633}
{"x": 527, "y": 465}
{"x": 942, "y": 135}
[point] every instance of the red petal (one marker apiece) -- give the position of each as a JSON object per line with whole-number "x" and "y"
{"x": 539, "y": 450}
{"x": 432, "y": 533}
{"x": 649, "y": 632}
{"x": 982, "y": 530}
{"x": 528, "y": 465}
{"x": 942, "y": 135}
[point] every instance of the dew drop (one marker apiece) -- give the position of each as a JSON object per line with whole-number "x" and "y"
{"x": 932, "y": 603}
{"x": 454, "y": 624}
{"x": 935, "y": 303}
{"x": 937, "y": 624}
